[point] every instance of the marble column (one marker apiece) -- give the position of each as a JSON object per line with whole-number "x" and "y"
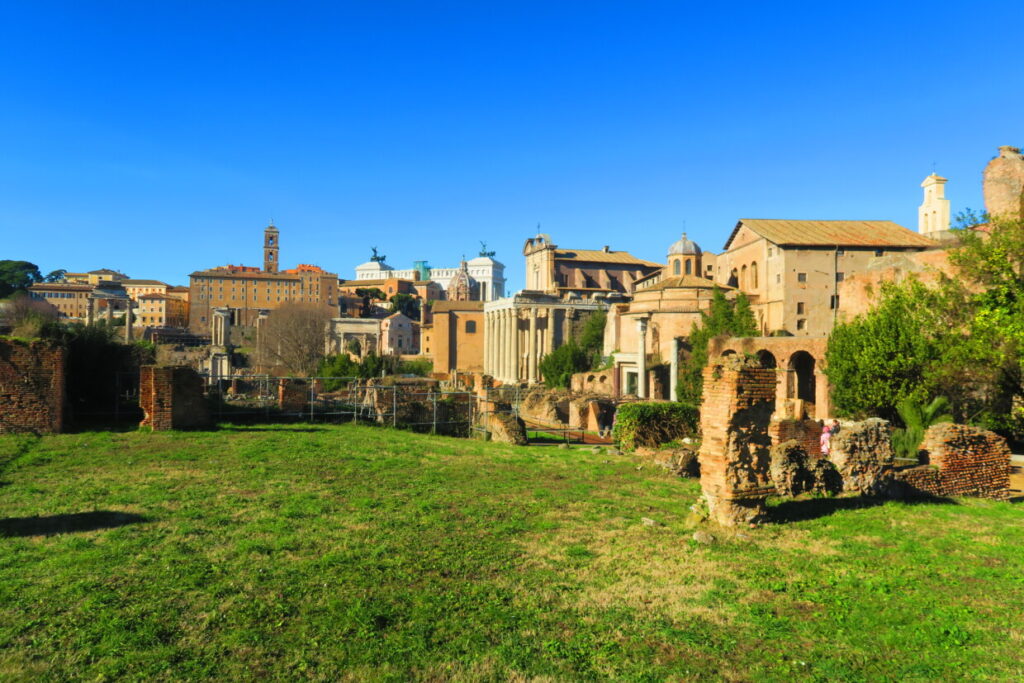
{"x": 514, "y": 331}
{"x": 128, "y": 321}
{"x": 90, "y": 310}
{"x": 549, "y": 332}
{"x": 110, "y": 312}
{"x": 641, "y": 358}
{"x": 531, "y": 348}
{"x": 506, "y": 346}
{"x": 673, "y": 377}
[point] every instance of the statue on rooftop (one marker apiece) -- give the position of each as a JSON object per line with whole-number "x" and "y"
{"x": 377, "y": 258}
{"x": 484, "y": 252}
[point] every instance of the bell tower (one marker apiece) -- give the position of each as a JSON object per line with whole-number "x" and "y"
{"x": 933, "y": 214}
{"x": 271, "y": 244}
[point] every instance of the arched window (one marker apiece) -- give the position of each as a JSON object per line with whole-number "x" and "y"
{"x": 689, "y": 267}
{"x": 753, "y": 275}
{"x": 675, "y": 267}
{"x": 743, "y": 277}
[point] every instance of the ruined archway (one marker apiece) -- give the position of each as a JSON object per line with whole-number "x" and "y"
{"x": 803, "y": 386}
{"x": 767, "y": 359}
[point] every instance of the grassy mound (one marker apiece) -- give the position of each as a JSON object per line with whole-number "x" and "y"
{"x": 353, "y": 552}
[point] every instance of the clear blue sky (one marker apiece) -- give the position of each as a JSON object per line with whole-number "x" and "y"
{"x": 160, "y": 138}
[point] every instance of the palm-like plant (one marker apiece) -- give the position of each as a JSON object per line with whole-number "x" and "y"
{"x": 917, "y": 419}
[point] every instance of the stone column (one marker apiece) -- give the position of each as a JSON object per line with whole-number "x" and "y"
{"x": 514, "y": 324}
{"x": 128, "y": 321}
{"x": 673, "y": 375}
{"x": 90, "y": 310}
{"x": 506, "y": 345}
{"x": 641, "y": 358}
{"x": 487, "y": 346}
{"x": 531, "y": 349}
{"x": 110, "y": 312}
{"x": 549, "y": 332}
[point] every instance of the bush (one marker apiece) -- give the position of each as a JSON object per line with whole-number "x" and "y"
{"x": 560, "y": 365}
{"x": 652, "y": 424}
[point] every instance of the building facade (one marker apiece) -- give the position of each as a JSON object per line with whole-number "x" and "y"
{"x": 248, "y": 291}
{"x": 452, "y": 336}
{"x": 586, "y": 273}
{"x": 487, "y": 276}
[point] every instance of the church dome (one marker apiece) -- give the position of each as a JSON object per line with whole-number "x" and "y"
{"x": 684, "y": 246}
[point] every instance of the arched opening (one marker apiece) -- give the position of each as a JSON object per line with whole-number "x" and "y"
{"x": 733, "y": 280}
{"x": 803, "y": 387}
{"x": 728, "y": 352}
{"x": 767, "y": 358}
{"x": 743, "y": 277}
{"x": 689, "y": 267}
{"x": 753, "y": 275}
{"x": 675, "y": 267}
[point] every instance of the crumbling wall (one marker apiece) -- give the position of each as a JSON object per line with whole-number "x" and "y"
{"x": 293, "y": 395}
{"x": 739, "y": 399}
{"x": 962, "y": 461}
{"x": 546, "y": 405}
{"x": 592, "y": 414}
{"x": 795, "y": 471}
{"x": 597, "y": 382}
{"x": 172, "y": 398}
{"x": 32, "y": 387}
{"x": 805, "y": 432}
{"x": 862, "y": 452}
{"x": 502, "y": 426}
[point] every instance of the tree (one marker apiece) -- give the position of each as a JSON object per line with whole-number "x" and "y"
{"x": 17, "y": 276}
{"x": 26, "y": 316}
{"x": 560, "y": 365}
{"x": 592, "y": 339}
{"x": 885, "y": 357}
{"x": 724, "y": 317}
{"x": 55, "y": 275}
{"x": 294, "y": 336}
{"x": 406, "y": 304}
{"x": 916, "y": 419}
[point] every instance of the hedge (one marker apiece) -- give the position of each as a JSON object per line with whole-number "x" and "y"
{"x": 652, "y": 424}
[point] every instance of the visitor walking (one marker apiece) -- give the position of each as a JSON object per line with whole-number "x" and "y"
{"x": 826, "y": 439}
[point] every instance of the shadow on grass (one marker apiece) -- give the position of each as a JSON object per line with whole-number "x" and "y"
{"x": 813, "y": 508}
{"x": 66, "y": 524}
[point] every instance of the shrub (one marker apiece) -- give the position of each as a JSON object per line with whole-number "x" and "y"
{"x": 652, "y": 424}
{"x": 560, "y": 365}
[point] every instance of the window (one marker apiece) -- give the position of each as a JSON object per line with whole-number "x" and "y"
{"x": 799, "y": 307}
{"x": 840, "y": 252}
{"x": 753, "y": 275}
{"x": 471, "y": 326}
{"x": 879, "y": 252}
{"x": 675, "y": 267}
{"x": 769, "y": 252}
{"x": 801, "y": 277}
{"x": 689, "y": 267}
{"x": 840, "y": 277}
{"x": 833, "y": 302}
{"x": 778, "y": 278}
{"x": 801, "y": 324}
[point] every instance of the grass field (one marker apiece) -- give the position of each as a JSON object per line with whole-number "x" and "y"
{"x": 353, "y": 552}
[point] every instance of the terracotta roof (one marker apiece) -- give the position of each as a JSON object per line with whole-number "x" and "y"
{"x": 685, "y": 281}
{"x": 243, "y": 275}
{"x": 832, "y": 233}
{"x": 457, "y": 306}
{"x": 601, "y": 256}
{"x": 142, "y": 282}
{"x": 63, "y": 286}
{"x": 158, "y": 297}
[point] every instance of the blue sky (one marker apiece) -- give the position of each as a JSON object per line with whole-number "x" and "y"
{"x": 160, "y": 138}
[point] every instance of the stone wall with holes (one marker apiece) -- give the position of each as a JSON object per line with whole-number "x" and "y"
{"x": 739, "y": 399}
{"x": 598, "y": 382}
{"x": 32, "y": 387}
{"x": 172, "y": 397}
{"x": 961, "y": 461}
{"x": 805, "y": 432}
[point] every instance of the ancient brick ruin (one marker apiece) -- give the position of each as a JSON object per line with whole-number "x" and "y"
{"x": 172, "y": 397}
{"x": 962, "y": 461}
{"x": 32, "y": 387}
{"x": 293, "y": 395}
{"x": 739, "y": 399}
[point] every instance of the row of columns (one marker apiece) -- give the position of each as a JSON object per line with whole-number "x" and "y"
{"x": 504, "y": 348}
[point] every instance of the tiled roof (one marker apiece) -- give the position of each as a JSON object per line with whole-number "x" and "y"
{"x": 601, "y": 256}
{"x": 833, "y": 233}
{"x": 684, "y": 281}
{"x": 437, "y": 306}
{"x": 157, "y": 297}
{"x": 243, "y": 275}
{"x": 142, "y": 282}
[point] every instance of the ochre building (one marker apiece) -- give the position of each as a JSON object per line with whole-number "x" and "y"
{"x": 249, "y": 292}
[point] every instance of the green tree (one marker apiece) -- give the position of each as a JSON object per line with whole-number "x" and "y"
{"x": 406, "y": 304}
{"x": 16, "y": 276}
{"x": 916, "y": 419}
{"x": 560, "y": 365}
{"x": 724, "y": 317}
{"x": 880, "y": 359}
{"x": 592, "y": 339}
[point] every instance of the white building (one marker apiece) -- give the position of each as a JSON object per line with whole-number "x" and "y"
{"x": 487, "y": 275}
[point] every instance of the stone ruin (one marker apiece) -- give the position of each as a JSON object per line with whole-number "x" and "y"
{"x": 749, "y": 452}
{"x": 172, "y": 397}
{"x": 32, "y": 387}
{"x": 495, "y": 417}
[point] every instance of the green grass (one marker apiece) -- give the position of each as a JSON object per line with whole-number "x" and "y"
{"x": 354, "y": 552}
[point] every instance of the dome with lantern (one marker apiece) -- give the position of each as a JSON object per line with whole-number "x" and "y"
{"x": 684, "y": 246}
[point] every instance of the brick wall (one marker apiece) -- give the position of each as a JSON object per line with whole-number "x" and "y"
{"x": 962, "y": 461}
{"x": 31, "y": 387}
{"x": 172, "y": 397}
{"x": 806, "y": 432}
{"x": 734, "y": 455}
{"x": 293, "y": 395}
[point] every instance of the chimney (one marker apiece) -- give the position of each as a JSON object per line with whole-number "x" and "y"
{"x": 606, "y": 249}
